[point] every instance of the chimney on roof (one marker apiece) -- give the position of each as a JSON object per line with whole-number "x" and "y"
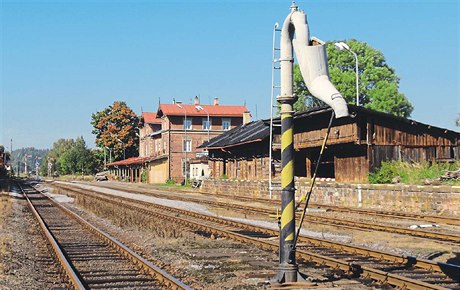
{"x": 216, "y": 101}
{"x": 246, "y": 117}
{"x": 174, "y": 100}
{"x": 196, "y": 101}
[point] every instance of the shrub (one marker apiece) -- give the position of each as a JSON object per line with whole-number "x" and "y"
{"x": 170, "y": 182}
{"x": 144, "y": 176}
{"x": 415, "y": 173}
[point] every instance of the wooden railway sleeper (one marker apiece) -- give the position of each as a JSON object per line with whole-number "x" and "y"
{"x": 440, "y": 267}
{"x": 396, "y": 280}
{"x": 157, "y": 273}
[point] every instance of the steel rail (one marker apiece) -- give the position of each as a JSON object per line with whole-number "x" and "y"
{"x": 451, "y": 220}
{"x": 321, "y": 220}
{"x": 410, "y": 260}
{"x": 375, "y": 274}
{"x": 147, "y": 266}
{"x": 72, "y": 276}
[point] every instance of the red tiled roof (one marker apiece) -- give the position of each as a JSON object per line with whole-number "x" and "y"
{"x": 151, "y": 118}
{"x": 213, "y": 110}
{"x": 129, "y": 161}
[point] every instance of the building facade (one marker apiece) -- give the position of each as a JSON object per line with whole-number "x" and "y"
{"x": 169, "y": 138}
{"x": 356, "y": 146}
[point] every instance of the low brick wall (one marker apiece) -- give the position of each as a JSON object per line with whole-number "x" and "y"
{"x": 395, "y": 197}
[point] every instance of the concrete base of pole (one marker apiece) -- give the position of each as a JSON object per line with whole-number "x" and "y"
{"x": 288, "y": 273}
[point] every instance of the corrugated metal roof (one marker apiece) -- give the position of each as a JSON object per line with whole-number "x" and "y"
{"x": 213, "y": 110}
{"x": 247, "y": 133}
{"x": 258, "y": 130}
{"x": 355, "y": 110}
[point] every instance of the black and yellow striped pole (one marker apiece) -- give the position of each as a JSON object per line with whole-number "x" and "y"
{"x": 288, "y": 266}
{"x": 288, "y": 269}
{"x": 313, "y": 66}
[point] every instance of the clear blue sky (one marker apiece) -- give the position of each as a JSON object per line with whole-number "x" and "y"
{"x": 64, "y": 60}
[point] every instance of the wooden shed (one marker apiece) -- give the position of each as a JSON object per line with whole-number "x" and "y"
{"x": 357, "y": 144}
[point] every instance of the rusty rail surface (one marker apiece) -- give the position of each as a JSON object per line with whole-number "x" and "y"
{"x": 450, "y": 220}
{"x": 77, "y": 280}
{"x": 445, "y": 273}
{"x": 450, "y": 238}
{"x": 72, "y": 276}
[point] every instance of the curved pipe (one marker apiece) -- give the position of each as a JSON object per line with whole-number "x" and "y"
{"x": 312, "y": 63}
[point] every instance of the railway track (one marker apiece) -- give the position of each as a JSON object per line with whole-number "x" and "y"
{"x": 448, "y": 220}
{"x": 399, "y": 271}
{"x": 269, "y": 210}
{"x": 90, "y": 258}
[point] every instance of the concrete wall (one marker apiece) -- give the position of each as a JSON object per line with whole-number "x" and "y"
{"x": 196, "y": 169}
{"x": 444, "y": 200}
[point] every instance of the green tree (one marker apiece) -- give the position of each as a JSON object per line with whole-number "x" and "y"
{"x": 32, "y": 155}
{"x": 78, "y": 159}
{"x": 378, "y": 82}
{"x": 115, "y": 128}
{"x": 69, "y": 156}
{"x": 3, "y": 161}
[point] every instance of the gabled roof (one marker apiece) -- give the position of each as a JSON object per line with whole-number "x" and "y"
{"x": 191, "y": 110}
{"x": 247, "y": 133}
{"x": 258, "y": 130}
{"x": 151, "y": 118}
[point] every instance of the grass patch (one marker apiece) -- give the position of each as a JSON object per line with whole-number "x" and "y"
{"x": 415, "y": 173}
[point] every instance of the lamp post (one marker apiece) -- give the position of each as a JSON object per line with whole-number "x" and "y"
{"x": 124, "y": 148}
{"x": 341, "y": 46}
{"x": 110, "y": 153}
{"x": 185, "y": 143}
{"x": 200, "y": 108}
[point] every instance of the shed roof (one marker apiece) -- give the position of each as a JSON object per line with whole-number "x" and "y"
{"x": 247, "y": 133}
{"x": 191, "y": 110}
{"x": 130, "y": 161}
{"x": 258, "y": 130}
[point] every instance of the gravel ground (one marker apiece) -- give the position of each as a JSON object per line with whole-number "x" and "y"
{"x": 203, "y": 209}
{"x": 196, "y": 259}
{"x": 25, "y": 262}
{"x": 388, "y": 242}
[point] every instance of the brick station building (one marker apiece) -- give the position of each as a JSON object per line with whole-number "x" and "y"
{"x": 171, "y": 136}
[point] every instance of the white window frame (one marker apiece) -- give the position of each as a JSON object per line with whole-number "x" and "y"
{"x": 226, "y": 120}
{"x": 187, "y": 145}
{"x": 205, "y": 122}
{"x": 188, "y": 124}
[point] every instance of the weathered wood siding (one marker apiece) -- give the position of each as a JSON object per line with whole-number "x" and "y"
{"x": 351, "y": 164}
{"x": 248, "y": 161}
{"x": 409, "y": 135}
{"x": 346, "y": 133}
{"x": 357, "y": 145}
